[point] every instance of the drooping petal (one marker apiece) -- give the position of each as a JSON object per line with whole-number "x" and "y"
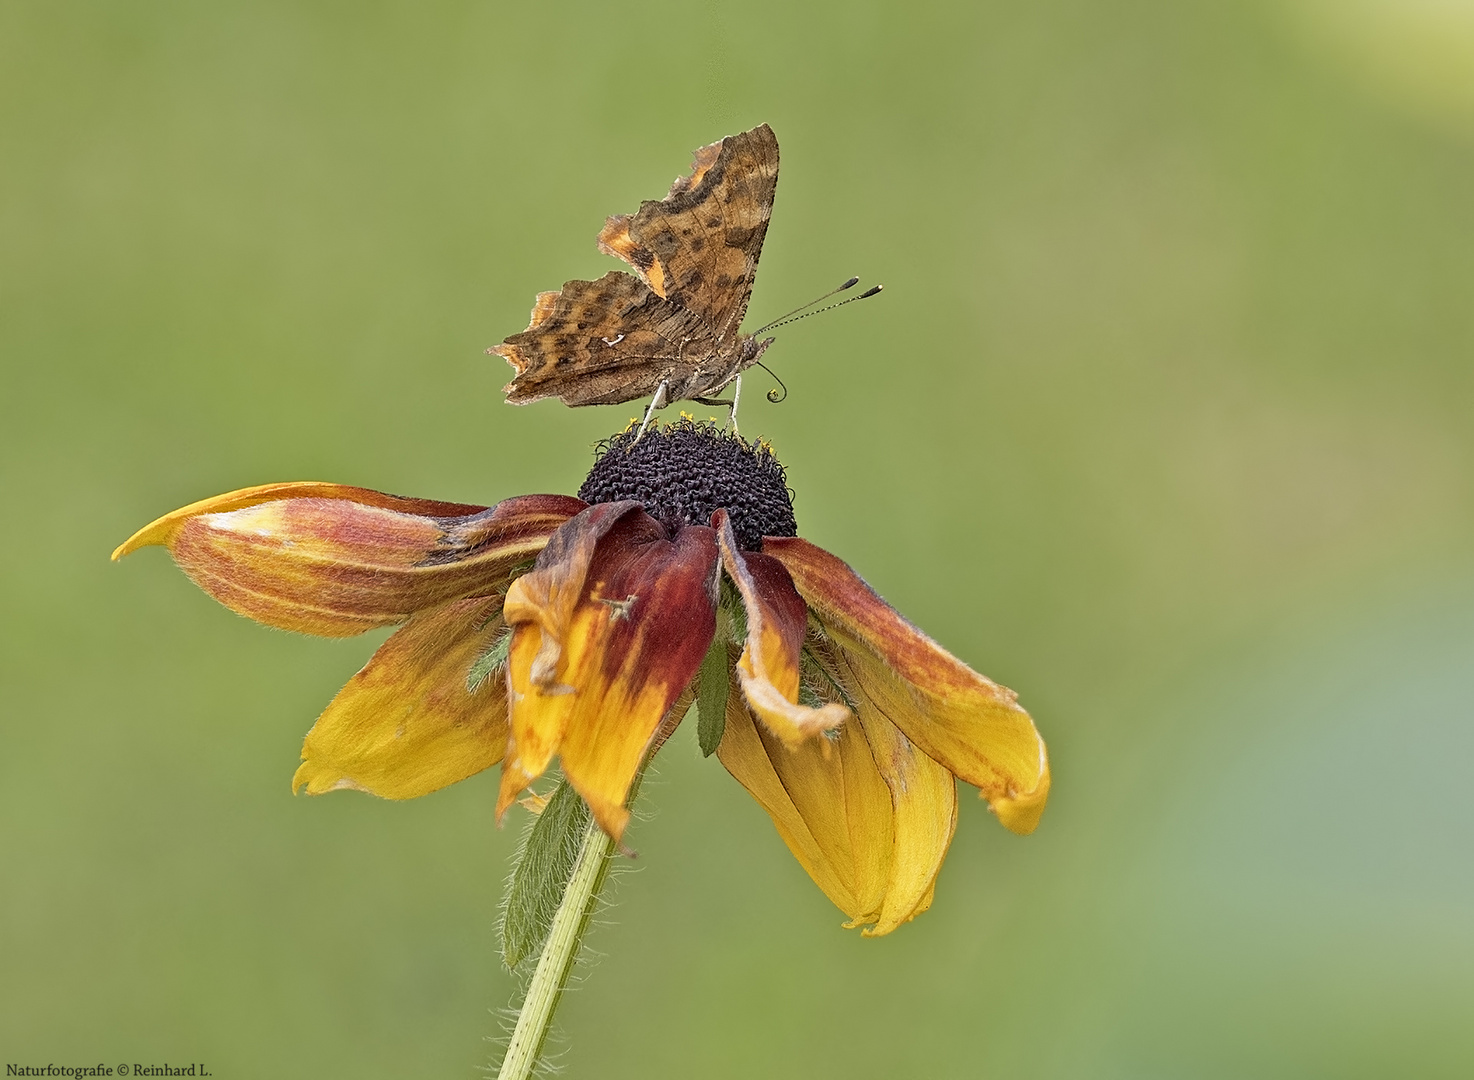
{"x": 875, "y": 850}
{"x": 611, "y": 626}
{"x": 407, "y": 724}
{"x": 769, "y": 668}
{"x": 924, "y": 802}
{"x": 336, "y": 561}
{"x": 832, "y": 810}
{"x": 964, "y": 721}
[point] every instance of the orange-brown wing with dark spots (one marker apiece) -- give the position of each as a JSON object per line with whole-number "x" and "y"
{"x": 600, "y": 343}
{"x": 699, "y": 246}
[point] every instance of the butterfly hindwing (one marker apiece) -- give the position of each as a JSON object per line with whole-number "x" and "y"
{"x": 598, "y": 342}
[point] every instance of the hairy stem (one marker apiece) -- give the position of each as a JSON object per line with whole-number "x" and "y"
{"x": 570, "y": 922}
{"x": 554, "y": 965}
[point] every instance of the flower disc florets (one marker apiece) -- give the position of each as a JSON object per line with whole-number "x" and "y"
{"x": 684, "y": 472}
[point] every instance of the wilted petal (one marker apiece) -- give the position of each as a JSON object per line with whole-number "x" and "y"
{"x": 769, "y": 668}
{"x": 336, "y": 561}
{"x": 967, "y": 723}
{"x": 407, "y": 724}
{"x": 833, "y": 809}
{"x": 611, "y": 626}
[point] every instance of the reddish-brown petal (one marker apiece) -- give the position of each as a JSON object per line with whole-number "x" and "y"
{"x": 769, "y": 668}
{"x": 162, "y": 530}
{"x": 335, "y": 561}
{"x": 971, "y": 725}
{"x": 611, "y": 626}
{"x": 407, "y": 724}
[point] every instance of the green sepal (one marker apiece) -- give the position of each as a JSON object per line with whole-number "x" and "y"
{"x": 711, "y": 696}
{"x": 540, "y": 873}
{"x": 817, "y": 685}
{"x": 491, "y": 661}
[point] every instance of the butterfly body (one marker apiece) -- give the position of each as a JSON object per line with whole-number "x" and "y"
{"x": 672, "y": 332}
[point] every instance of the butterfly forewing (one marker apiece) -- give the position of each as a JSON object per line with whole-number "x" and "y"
{"x": 699, "y": 246}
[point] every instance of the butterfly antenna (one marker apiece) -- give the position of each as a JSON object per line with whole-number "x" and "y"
{"x": 849, "y": 284}
{"x": 794, "y": 316}
{"x": 773, "y": 395}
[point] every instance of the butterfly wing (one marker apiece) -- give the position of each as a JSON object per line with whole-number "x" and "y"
{"x": 698, "y": 247}
{"x": 600, "y": 343}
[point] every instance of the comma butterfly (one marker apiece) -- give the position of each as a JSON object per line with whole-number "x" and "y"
{"x": 673, "y": 331}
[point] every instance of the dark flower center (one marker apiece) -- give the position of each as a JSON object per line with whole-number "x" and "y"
{"x": 684, "y": 472}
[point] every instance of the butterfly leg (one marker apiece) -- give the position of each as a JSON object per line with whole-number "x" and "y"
{"x": 657, "y": 402}
{"x": 736, "y": 397}
{"x": 730, "y": 405}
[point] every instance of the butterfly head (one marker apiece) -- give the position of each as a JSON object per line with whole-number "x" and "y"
{"x": 751, "y": 355}
{"x": 752, "y": 349}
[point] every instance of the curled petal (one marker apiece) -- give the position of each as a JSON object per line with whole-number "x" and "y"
{"x": 550, "y": 594}
{"x": 769, "y": 668}
{"x": 833, "y": 809}
{"x": 611, "y": 626}
{"x": 407, "y": 724}
{"x": 336, "y": 561}
{"x": 967, "y": 723}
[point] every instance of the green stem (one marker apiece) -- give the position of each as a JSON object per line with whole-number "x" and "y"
{"x": 554, "y": 965}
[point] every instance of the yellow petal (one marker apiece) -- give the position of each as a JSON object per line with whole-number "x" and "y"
{"x": 541, "y": 605}
{"x": 769, "y": 668}
{"x": 875, "y": 849}
{"x": 406, "y": 724}
{"x": 611, "y": 627}
{"x": 832, "y": 810}
{"x": 538, "y": 716}
{"x": 964, "y": 721}
{"x": 924, "y": 801}
{"x": 335, "y": 561}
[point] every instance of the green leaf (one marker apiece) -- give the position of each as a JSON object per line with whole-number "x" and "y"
{"x": 711, "y": 696}
{"x": 732, "y": 607}
{"x": 540, "y": 874}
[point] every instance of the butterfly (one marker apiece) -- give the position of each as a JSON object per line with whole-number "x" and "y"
{"x": 672, "y": 332}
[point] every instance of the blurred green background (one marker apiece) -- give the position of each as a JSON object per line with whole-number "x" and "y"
{"x": 1164, "y": 420}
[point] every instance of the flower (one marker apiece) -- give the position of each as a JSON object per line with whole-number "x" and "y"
{"x": 677, "y": 574}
